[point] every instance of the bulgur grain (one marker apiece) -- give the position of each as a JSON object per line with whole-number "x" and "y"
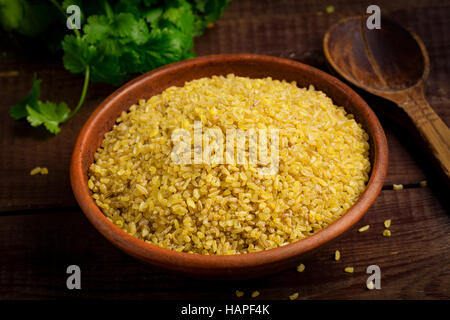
{"x": 423, "y": 183}
{"x": 365, "y": 228}
{"x": 225, "y": 208}
{"x": 293, "y": 296}
{"x": 387, "y": 233}
{"x": 301, "y": 267}
{"x": 397, "y": 187}
{"x": 337, "y": 255}
{"x": 239, "y": 293}
{"x": 349, "y": 269}
{"x": 330, "y": 9}
{"x": 35, "y": 171}
{"x": 255, "y": 294}
{"x": 387, "y": 223}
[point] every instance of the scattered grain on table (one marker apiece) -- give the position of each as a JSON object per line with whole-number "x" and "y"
{"x": 370, "y": 285}
{"x": 387, "y": 223}
{"x": 349, "y": 269}
{"x": 239, "y": 293}
{"x": 337, "y": 255}
{"x": 330, "y": 9}
{"x": 255, "y": 294}
{"x": 397, "y": 187}
{"x": 301, "y": 267}
{"x": 387, "y": 233}
{"x": 39, "y": 170}
{"x": 35, "y": 171}
{"x": 293, "y": 296}
{"x": 365, "y": 228}
{"x": 423, "y": 183}
{"x": 7, "y": 74}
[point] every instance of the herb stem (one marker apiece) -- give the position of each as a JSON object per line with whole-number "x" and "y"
{"x": 108, "y": 10}
{"x": 83, "y": 93}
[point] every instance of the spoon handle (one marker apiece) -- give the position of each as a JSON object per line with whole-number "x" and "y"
{"x": 431, "y": 127}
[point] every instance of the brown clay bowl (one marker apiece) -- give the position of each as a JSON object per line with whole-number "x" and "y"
{"x": 254, "y": 66}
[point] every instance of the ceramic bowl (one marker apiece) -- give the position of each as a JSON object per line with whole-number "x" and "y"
{"x": 176, "y": 74}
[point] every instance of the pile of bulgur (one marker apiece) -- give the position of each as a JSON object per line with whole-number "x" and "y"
{"x": 223, "y": 208}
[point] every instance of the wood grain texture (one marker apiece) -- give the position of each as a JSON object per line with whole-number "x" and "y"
{"x": 37, "y": 248}
{"x": 433, "y": 130}
{"x": 23, "y": 148}
{"x": 37, "y": 245}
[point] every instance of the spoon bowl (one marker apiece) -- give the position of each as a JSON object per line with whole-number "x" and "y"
{"x": 392, "y": 63}
{"x": 388, "y": 59}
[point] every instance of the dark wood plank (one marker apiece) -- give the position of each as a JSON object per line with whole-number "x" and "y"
{"x": 291, "y": 29}
{"x": 24, "y": 148}
{"x": 37, "y": 248}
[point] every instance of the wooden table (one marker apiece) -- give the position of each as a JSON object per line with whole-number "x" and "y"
{"x": 42, "y": 230}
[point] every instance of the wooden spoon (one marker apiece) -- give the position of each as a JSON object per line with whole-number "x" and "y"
{"x": 392, "y": 63}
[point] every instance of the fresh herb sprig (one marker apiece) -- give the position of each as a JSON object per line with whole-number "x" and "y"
{"x": 118, "y": 39}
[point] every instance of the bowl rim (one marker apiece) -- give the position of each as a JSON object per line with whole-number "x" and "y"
{"x": 181, "y": 260}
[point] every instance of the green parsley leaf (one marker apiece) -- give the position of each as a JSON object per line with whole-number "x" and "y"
{"x": 78, "y": 53}
{"x": 140, "y": 33}
{"x": 49, "y": 114}
{"x": 103, "y": 60}
{"x": 182, "y": 17}
{"x": 97, "y": 28}
{"x": 152, "y": 16}
{"x": 106, "y": 68}
{"x": 131, "y": 6}
{"x": 119, "y": 38}
{"x": 164, "y": 46}
{"x": 19, "y": 111}
{"x": 11, "y": 14}
{"x": 123, "y": 24}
